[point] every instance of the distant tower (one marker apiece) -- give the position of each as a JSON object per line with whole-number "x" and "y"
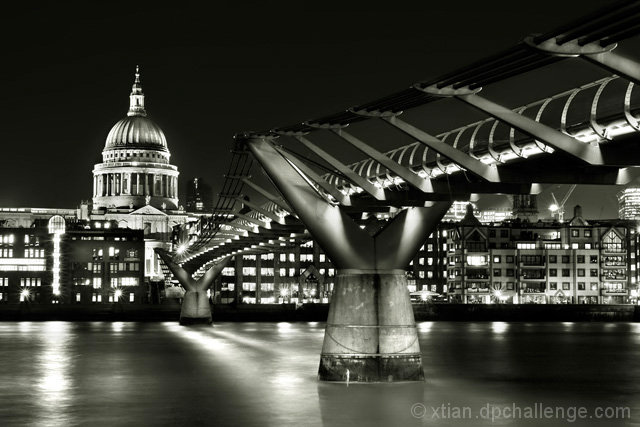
{"x": 199, "y": 196}
{"x": 629, "y": 203}
{"x": 135, "y": 169}
{"x": 525, "y": 207}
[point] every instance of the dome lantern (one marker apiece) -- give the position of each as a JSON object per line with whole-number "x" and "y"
{"x": 136, "y": 99}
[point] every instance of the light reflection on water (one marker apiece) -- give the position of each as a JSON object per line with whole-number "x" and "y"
{"x": 100, "y": 373}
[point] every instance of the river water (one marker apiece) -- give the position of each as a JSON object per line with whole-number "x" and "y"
{"x": 264, "y": 374}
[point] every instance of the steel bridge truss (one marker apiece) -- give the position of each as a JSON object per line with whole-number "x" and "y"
{"x": 587, "y": 134}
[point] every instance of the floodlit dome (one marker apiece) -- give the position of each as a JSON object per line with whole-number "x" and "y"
{"x": 135, "y": 169}
{"x": 136, "y": 132}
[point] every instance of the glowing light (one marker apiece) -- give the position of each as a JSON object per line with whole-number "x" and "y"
{"x": 57, "y": 228}
{"x": 499, "y": 327}
{"x": 24, "y": 293}
{"x": 117, "y": 294}
{"x": 554, "y": 207}
{"x": 181, "y": 249}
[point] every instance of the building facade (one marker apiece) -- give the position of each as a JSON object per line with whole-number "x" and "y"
{"x": 629, "y": 203}
{"x": 518, "y": 262}
{"x": 68, "y": 261}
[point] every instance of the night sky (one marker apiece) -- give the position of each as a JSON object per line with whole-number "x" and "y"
{"x": 67, "y": 70}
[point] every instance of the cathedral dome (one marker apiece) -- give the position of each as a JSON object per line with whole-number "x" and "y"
{"x": 135, "y": 170}
{"x": 136, "y": 132}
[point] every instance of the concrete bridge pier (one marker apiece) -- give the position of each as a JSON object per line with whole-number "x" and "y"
{"x": 371, "y": 334}
{"x": 195, "y": 304}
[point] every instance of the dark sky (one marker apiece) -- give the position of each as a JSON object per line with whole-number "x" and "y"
{"x": 207, "y": 73}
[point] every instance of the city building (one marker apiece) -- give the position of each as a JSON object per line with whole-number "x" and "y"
{"x": 515, "y": 261}
{"x": 629, "y": 203}
{"x": 103, "y": 263}
{"x": 520, "y": 262}
{"x": 68, "y": 261}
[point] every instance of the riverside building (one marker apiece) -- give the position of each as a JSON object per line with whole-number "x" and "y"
{"x": 68, "y": 261}
{"x": 576, "y": 262}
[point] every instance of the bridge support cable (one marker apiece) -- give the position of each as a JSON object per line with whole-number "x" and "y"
{"x": 585, "y": 152}
{"x": 473, "y": 165}
{"x": 370, "y": 331}
{"x": 618, "y": 64}
{"x": 403, "y": 172}
{"x": 315, "y": 179}
{"x": 268, "y": 195}
{"x": 365, "y": 184}
{"x": 195, "y": 304}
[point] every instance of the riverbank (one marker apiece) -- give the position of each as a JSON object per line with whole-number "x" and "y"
{"x": 318, "y": 312}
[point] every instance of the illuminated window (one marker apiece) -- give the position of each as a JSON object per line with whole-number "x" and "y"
{"x": 526, "y": 245}
{"x": 97, "y": 283}
{"x": 248, "y": 271}
{"x": 283, "y": 257}
{"x": 322, "y": 257}
{"x": 128, "y": 281}
{"x": 131, "y": 297}
{"x": 476, "y": 260}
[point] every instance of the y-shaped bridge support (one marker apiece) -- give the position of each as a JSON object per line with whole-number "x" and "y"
{"x": 195, "y": 305}
{"x": 371, "y": 333}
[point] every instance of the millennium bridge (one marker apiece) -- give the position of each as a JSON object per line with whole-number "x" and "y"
{"x": 585, "y": 133}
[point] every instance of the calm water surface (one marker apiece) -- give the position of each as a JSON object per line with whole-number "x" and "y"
{"x": 236, "y": 374}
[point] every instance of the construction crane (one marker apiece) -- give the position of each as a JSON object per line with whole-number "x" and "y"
{"x": 558, "y": 208}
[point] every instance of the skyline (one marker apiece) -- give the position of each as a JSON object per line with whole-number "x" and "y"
{"x": 208, "y": 77}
